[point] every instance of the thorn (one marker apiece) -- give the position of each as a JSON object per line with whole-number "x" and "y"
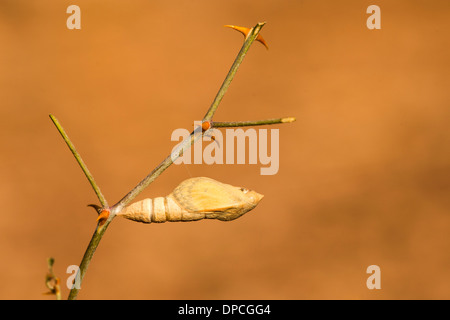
{"x": 103, "y": 216}
{"x": 245, "y": 31}
{"x": 96, "y": 207}
{"x": 103, "y": 213}
{"x": 212, "y": 137}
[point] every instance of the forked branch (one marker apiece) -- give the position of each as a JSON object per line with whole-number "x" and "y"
{"x": 107, "y": 213}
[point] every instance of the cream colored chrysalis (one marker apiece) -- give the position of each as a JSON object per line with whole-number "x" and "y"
{"x": 195, "y": 199}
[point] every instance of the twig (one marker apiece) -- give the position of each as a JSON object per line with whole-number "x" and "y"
{"x": 216, "y": 124}
{"x": 87, "y": 257}
{"x": 237, "y": 62}
{"x": 80, "y": 161}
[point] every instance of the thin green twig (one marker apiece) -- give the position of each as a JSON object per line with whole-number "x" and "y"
{"x": 216, "y": 124}
{"x": 80, "y": 161}
{"x": 87, "y": 257}
{"x": 237, "y": 62}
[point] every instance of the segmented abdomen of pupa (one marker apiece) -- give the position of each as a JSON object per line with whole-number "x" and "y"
{"x": 160, "y": 209}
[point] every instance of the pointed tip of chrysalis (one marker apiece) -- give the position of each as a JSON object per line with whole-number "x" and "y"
{"x": 245, "y": 31}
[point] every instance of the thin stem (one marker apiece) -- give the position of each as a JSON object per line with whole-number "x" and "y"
{"x": 251, "y": 123}
{"x": 194, "y": 136}
{"x": 237, "y": 62}
{"x": 80, "y": 161}
{"x": 88, "y": 254}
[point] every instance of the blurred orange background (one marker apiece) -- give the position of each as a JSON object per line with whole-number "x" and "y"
{"x": 364, "y": 174}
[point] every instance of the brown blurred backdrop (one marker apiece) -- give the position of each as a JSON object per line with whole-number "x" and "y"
{"x": 364, "y": 172}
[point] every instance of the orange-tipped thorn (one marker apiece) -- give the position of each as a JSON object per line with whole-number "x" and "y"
{"x": 103, "y": 216}
{"x": 210, "y": 135}
{"x": 245, "y": 31}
